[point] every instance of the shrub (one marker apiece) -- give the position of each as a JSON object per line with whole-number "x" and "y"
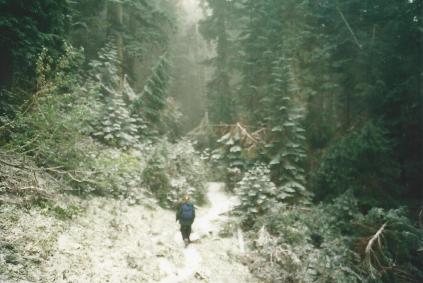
{"x": 257, "y": 194}
{"x": 329, "y": 243}
{"x": 302, "y": 244}
{"x": 187, "y": 165}
{"x": 116, "y": 173}
{"x": 49, "y": 124}
{"x": 155, "y": 177}
{"x": 171, "y": 173}
{"x": 51, "y": 132}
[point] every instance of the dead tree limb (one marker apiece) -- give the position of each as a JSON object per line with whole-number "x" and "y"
{"x": 375, "y": 237}
{"x": 245, "y": 132}
{"x": 349, "y": 28}
{"x": 12, "y": 165}
{"x": 51, "y": 169}
{"x": 48, "y": 169}
{"x": 369, "y": 251}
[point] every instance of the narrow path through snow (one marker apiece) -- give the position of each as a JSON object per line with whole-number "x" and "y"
{"x": 206, "y": 224}
{"x": 116, "y": 242}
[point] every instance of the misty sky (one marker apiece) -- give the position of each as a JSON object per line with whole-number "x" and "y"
{"x": 192, "y": 9}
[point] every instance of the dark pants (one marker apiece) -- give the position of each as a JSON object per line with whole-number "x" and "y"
{"x": 185, "y": 231}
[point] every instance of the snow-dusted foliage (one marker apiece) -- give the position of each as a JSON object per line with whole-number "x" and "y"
{"x": 173, "y": 170}
{"x": 115, "y": 124}
{"x": 257, "y": 194}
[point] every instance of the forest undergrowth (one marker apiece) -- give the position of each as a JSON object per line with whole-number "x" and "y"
{"x": 54, "y": 162}
{"x": 40, "y": 203}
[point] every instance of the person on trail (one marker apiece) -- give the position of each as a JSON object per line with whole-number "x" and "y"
{"x": 185, "y": 214}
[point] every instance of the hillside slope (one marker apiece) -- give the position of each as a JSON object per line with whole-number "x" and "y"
{"x": 116, "y": 242}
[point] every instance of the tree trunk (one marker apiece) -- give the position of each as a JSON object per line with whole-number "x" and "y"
{"x": 115, "y": 17}
{"x": 6, "y": 68}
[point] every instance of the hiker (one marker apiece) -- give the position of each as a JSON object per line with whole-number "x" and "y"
{"x": 185, "y": 214}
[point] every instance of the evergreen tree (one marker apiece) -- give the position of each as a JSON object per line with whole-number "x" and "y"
{"x": 115, "y": 125}
{"x": 216, "y": 28}
{"x": 153, "y": 98}
{"x": 286, "y": 146}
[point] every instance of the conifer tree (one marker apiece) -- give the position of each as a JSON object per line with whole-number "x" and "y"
{"x": 286, "y": 147}
{"x": 153, "y": 98}
{"x": 216, "y": 28}
{"x": 115, "y": 125}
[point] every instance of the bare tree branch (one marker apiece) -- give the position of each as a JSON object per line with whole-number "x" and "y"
{"x": 369, "y": 251}
{"x": 349, "y": 28}
{"x": 12, "y": 165}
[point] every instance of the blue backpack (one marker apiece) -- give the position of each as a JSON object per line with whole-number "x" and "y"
{"x": 187, "y": 211}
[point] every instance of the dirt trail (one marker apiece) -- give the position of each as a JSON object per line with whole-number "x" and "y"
{"x": 115, "y": 242}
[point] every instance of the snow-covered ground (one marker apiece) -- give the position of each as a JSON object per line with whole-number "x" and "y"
{"x": 114, "y": 242}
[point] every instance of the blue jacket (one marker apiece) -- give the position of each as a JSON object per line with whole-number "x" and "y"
{"x": 179, "y": 214}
